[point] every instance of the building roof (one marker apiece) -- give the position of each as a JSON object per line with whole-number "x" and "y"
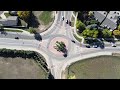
{"x": 111, "y": 19}
{"x": 99, "y": 16}
{"x": 112, "y": 25}
{"x": 12, "y": 18}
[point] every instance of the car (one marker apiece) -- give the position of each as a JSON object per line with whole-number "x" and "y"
{"x": 62, "y": 18}
{"x": 70, "y": 23}
{"x": 87, "y": 46}
{"x": 95, "y": 46}
{"x": 73, "y": 41}
{"x": 66, "y": 21}
{"x": 16, "y": 37}
{"x": 113, "y": 45}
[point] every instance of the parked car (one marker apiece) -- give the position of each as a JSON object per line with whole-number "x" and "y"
{"x": 87, "y": 46}
{"x": 113, "y": 45}
{"x": 70, "y": 23}
{"x": 95, "y": 46}
{"x": 16, "y": 37}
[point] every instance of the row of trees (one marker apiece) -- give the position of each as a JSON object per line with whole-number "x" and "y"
{"x": 94, "y": 33}
{"x": 87, "y": 17}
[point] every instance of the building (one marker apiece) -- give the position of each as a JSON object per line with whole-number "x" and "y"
{"x": 109, "y": 20}
{"x": 10, "y": 21}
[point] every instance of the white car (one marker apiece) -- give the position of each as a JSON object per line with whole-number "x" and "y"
{"x": 95, "y": 46}
{"x": 62, "y": 18}
{"x": 66, "y": 21}
{"x": 113, "y": 45}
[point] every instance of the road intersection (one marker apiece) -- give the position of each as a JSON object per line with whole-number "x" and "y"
{"x": 57, "y": 64}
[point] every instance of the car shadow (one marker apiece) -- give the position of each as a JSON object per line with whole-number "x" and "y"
{"x": 50, "y": 76}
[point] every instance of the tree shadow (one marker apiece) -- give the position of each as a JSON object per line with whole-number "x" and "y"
{"x": 50, "y": 76}
{"x": 3, "y": 32}
{"x": 109, "y": 39}
{"x": 33, "y": 21}
{"x": 38, "y": 36}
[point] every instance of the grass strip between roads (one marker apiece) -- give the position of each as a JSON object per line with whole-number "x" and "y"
{"x": 9, "y": 30}
{"x": 79, "y": 39}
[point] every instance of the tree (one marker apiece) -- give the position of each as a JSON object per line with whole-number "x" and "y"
{"x": 60, "y": 46}
{"x": 90, "y": 13}
{"x": 106, "y": 33}
{"x": 90, "y": 33}
{"x": 116, "y": 33}
{"x": 80, "y": 25}
{"x": 23, "y": 14}
{"x": 119, "y": 27}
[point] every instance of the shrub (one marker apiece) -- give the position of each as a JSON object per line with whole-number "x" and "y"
{"x": 24, "y": 14}
{"x": 32, "y": 30}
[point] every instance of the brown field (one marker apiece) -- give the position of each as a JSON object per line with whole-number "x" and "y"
{"x": 19, "y": 68}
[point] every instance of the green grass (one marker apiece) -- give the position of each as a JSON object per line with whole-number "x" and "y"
{"x": 45, "y": 17}
{"x": 79, "y": 39}
{"x": 7, "y": 14}
{"x": 9, "y": 30}
{"x": 101, "y": 67}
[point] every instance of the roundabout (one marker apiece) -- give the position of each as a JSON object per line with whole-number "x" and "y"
{"x": 52, "y": 43}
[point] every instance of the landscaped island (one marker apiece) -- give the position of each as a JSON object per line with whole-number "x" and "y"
{"x": 102, "y": 67}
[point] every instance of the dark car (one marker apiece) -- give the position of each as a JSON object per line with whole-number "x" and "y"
{"x": 70, "y": 23}
{"x": 73, "y": 41}
{"x": 16, "y": 37}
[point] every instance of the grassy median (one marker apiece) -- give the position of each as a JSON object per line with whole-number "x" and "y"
{"x": 10, "y": 30}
